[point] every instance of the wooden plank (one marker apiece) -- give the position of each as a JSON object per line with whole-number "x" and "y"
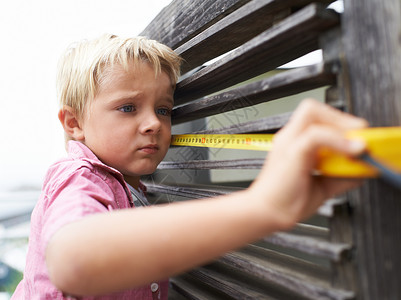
{"x": 189, "y": 290}
{"x": 192, "y": 192}
{"x": 250, "y": 163}
{"x": 267, "y": 124}
{"x": 373, "y": 63}
{"x": 174, "y": 295}
{"x": 226, "y": 285}
{"x": 183, "y": 19}
{"x": 241, "y": 283}
{"x": 280, "y": 261}
{"x": 311, "y": 231}
{"x": 287, "y": 40}
{"x": 234, "y": 30}
{"x": 271, "y": 88}
{"x": 310, "y": 245}
{"x": 202, "y": 191}
{"x": 312, "y": 288}
{"x": 344, "y": 273}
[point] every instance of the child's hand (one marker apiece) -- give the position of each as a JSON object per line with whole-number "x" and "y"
{"x": 286, "y": 180}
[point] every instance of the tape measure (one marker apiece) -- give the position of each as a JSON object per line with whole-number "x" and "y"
{"x": 383, "y": 144}
{"x": 258, "y": 142}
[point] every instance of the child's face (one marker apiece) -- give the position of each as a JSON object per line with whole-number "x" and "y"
{"x": 128, "y": 125}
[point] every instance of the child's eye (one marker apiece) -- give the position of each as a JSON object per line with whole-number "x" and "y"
{"x": 127, "y": 108}
{"x": 163, "y": 111}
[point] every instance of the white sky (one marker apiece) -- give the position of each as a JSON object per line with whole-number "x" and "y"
{"x": 33, "y": 35}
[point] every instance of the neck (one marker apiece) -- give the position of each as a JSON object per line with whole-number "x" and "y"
{"x": 132, "y": 181}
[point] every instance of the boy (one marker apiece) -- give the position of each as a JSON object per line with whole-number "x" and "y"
{"x": 87, "y": 239}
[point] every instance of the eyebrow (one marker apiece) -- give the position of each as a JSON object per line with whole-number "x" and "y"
{"x": 124, "y": 98}
{"x": 134, "y": 97}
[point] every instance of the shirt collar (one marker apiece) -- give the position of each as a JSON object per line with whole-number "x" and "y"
{"x": 78, "y": 150}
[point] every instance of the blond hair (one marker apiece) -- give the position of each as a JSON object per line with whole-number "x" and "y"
{"x": 83, "y": 66}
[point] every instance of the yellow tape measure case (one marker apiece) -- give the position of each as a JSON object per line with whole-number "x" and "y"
{"x": 383, "y": 144}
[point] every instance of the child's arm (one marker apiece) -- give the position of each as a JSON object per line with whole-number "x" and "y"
{"x": 92, "y": 257}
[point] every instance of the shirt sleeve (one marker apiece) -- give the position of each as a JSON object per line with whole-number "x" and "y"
{"x": 84, "y": 193}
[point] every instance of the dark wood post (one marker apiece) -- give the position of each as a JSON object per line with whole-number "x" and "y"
{"x": 373, "y": 63}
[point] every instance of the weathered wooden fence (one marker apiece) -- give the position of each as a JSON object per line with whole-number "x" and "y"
{"x": 351, "y": 249}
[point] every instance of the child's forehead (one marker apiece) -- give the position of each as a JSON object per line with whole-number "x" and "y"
{"x": 119, "y": 76}
{"x": 128, "y": 68}
{"x": 116, "y": 71}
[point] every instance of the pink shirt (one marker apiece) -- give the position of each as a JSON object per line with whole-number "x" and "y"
{"x": 75, "y": 187}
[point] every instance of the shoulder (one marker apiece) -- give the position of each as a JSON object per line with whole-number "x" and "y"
{"x": 67, "y": 169}
{"x": 83, "y": 161}
{"x": 86, "y": 176}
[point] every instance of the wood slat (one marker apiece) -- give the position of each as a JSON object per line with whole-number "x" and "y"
{"x": 202, "y": 191}
{"x": 267, "y": 124}
{"x": 274, "y": 87}
{"x": 344, "y": 272}
{"x": 234, "y": 30}
{"x": 293, "y": 37}
{"x": 183, "y": 19}
{"x": 310, "y": 245}
{"x": 189, "y": 290}
{"x": 311, "y": 230}
{"x": 250, "y": 163}
{"x": 226, "y": 285}
{"x": 274, "y": 259}
{"x": 373, "y": 60}
{"x": 226, "y": 277}
{"x": 312, "y": 288}
{"x": 192, "y": 192}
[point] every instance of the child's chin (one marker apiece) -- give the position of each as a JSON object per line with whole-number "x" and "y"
{"x": 149, "y": 171}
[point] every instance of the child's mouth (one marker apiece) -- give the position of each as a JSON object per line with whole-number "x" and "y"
{"x": 149, "y": 149}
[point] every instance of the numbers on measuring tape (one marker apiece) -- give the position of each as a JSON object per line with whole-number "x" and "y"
{"x": 260, "y": 142}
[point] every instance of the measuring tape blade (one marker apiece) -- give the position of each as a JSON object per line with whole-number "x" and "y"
{"x": 383, "y": 143}
{"x": 258, "y": 142}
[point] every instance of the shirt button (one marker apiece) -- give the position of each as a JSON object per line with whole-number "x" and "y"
{"x": 154, "y": 287}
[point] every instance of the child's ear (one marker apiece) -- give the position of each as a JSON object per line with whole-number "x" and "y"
{"x": 71, "y": 124}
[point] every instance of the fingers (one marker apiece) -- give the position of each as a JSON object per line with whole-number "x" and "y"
{"x": 313, "y": 112}
{"x": 316, "y": 137}
{"x": 287, "y": 175}
{"x": 315, "y": 125}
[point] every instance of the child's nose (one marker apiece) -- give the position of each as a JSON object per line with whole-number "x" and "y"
{"x": 150, "y": 124}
